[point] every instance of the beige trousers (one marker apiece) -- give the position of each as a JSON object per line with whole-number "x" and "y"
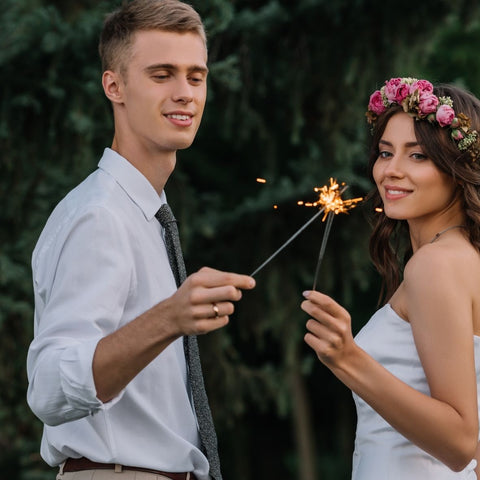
{"x": 110, "y": 475}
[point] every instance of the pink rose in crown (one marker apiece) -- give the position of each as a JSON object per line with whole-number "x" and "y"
{"x": 390, "y": 88}
{"x": 456, "y": 135}
{"x": 403, "y": 91}
{"x": 396, "y": 91}
{"x": 376, "y": 103}
{"x": 428, "y": 103}
{"x": 445, "y": 115}
{"x": 423, "y": 86}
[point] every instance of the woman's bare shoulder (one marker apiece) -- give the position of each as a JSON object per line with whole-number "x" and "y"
{"x": 451, "y": 262}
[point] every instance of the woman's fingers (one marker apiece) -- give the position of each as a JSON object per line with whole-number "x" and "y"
{"x": 328, "y": 331}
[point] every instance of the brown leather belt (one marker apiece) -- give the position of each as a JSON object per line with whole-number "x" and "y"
{"x": 79, "y": 464}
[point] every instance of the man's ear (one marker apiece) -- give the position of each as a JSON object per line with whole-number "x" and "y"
{"x": 112, "y": 86}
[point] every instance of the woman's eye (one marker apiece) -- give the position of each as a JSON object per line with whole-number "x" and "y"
{"x": 384, "y": 154}
{"x": 419, "y": 156}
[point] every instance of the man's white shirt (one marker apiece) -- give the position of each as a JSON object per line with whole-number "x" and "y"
{"x": 99, "y": 263}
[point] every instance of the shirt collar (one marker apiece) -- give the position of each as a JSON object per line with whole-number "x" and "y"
{"x": 133, "y": 182}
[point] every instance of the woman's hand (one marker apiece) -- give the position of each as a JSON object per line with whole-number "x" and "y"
{"x": 329, "y": 331}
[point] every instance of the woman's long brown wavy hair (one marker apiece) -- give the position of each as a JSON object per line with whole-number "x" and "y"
{"x": 390, "y": 245}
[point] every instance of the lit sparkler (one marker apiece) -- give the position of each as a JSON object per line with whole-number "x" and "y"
{"x": 331, "y": 203}
{"x": 331, "y": 198}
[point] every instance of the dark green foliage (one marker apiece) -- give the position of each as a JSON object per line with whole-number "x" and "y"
{"x": 289, "y": 85}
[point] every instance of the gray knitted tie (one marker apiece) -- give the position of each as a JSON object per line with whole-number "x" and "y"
{"x": 208, "y": 436}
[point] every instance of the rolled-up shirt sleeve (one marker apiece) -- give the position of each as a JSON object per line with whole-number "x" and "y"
{"x": 82, "y": 278}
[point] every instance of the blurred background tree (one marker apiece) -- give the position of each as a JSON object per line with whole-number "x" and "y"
{"x": 288, "y": 89}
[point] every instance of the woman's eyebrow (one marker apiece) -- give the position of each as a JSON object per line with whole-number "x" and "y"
{"x": 408, "y": 144}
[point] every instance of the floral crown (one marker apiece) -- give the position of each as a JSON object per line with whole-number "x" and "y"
{"x": 416, "y": 97}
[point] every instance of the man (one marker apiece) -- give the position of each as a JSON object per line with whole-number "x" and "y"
{"x": 107, "y": 368}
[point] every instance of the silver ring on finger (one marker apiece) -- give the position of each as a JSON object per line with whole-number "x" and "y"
{"x": 215, "y": 310}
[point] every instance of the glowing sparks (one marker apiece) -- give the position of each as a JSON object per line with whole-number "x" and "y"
{"x": 331, "y": 202}
{"x": 330, "y": 198}
{"x": 261, "y": 180}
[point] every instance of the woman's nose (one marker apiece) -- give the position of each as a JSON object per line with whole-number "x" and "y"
{"x": 394, "y": 167}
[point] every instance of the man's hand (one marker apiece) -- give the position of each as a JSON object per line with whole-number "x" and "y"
{"x": 204, "y": 301}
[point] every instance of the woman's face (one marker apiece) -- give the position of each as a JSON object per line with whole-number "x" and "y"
{"x": 410, "y": 184}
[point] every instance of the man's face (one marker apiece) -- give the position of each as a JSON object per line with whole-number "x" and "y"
{"x": 163, "y": 91}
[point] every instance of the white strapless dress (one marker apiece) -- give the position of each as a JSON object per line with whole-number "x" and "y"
{"x": 381, "y": 453}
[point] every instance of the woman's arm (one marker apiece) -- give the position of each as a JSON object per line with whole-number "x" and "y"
{"x": 440, "y": 312}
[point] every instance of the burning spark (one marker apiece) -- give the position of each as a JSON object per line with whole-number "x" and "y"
{"x": 261, "y": 180}
{"x": 331, "y": 199}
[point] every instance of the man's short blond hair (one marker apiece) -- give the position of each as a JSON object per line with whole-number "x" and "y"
{"x": 140, "y": 15}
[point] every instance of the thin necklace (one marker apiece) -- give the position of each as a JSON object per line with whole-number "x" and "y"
{"x": 446, "y": 230}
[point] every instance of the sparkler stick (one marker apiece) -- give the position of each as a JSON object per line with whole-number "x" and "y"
{"x": 331, "y": 199}
{"x": 295, "y": 235}
{"x": 326, "y": 233}
{"x": 334, "y": 204}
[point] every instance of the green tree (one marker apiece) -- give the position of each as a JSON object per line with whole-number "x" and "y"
{"x": 288, "y": 89}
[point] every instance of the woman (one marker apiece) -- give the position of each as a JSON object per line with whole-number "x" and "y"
{"x": 414, "y": 368}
